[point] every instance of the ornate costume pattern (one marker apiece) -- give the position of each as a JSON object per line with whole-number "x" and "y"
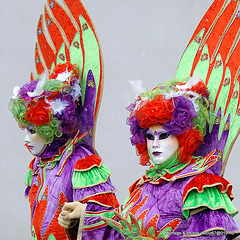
{"x": 59, "y": 108}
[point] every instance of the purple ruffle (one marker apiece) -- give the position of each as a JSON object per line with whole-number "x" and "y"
{"x": 183, "y": 114}
{"x": 208, "y": 219}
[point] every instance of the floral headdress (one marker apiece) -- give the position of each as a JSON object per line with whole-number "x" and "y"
{"x": 49, "y": 105}
{"x": 180, "y": 106}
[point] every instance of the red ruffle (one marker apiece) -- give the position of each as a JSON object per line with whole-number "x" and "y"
{"x": 31, "y": 164}
{"x": 106, "y": 199}
{"x": 61, "y": 68}
{"x": 38, "y": 112}
{"x": 158, "y": 110}
{"x": 88, "y": 162}
{"x": 204, "y": 180}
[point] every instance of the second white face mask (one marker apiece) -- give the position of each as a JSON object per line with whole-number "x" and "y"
{"x": 160, "y": 144}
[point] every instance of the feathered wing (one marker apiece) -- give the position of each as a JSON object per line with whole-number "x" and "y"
{"x": 68, "y": 34}
{"x": 214, "y": 53}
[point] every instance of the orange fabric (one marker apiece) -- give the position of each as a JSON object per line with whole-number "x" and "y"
{"x": 209, "y": 17}
{"x": 53, "y": 228}
{"x": 38, "y": 64}
{"x": 204, "y": 180}
{"x": 33, "y": 192}
{"x": 88, "y": 162}
{"x": 63, "y": 19}
{"x": 220, "y": 27}
{"x": 31, "y": 164}
{"x": 53, "y": 31}
{"x": 224, "y": 50}
{"x": 206, "y": 23}
{"x": 46, "y": 50}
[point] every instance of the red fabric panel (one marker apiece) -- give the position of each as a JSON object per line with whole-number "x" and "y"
{"x": 88, "y": 162}
{"x": 108, "y": 199}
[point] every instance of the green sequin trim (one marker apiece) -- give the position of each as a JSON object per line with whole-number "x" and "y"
{"x": 28, "y": 179}
{"x": 91, "y": 177}
{"x": 210, "y": 198}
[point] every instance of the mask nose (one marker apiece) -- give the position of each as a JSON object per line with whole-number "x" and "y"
{"x": 27, "y": 139}
{"x": 156, "y": 142}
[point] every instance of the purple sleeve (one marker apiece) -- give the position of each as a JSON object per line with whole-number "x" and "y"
{"x": 214, "y": 223}
{"x": 103, "y": 233}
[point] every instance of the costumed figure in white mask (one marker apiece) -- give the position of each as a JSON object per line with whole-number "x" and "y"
{"x": 58, "y": 108}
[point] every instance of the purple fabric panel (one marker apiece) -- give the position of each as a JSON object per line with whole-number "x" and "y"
{"x": 208, "y": 219}
{"x": 27, "y": 191}
{"x": 79, "y": 194}
{"x": 52, "y": 148}
{"x": 211, "y": 142}
{"x": 85, "y": 113}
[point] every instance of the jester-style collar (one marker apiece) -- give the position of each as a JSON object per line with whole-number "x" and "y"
{"x": 182, "y": 170}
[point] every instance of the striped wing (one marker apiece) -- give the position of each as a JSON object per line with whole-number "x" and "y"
{"x": 68, "y": 34}
{"x": 213, "y": 53}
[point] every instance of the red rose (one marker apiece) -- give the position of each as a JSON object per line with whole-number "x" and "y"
{"x": 38, "y": 113}
{"x": 158, "y": 110}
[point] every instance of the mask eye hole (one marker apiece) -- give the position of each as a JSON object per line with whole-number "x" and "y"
{"x": 164, "y": 135}
{"x": 31, "y": 130}
{"x": 150, "y": 136}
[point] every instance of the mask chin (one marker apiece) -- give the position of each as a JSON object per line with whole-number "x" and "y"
{"x": 161, "y": 145}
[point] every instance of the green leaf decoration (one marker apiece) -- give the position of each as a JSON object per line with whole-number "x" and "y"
{"x": 186, "y": 62}
{"x": 76, "y": 55}
{"x": 92, "y": 56}
{"x": 203, "y": 64}
{"x": 214, "y": 85}
{"x": 34, "y": 236}
{"x": 61, "y": 56}
{"x": 164, "y": 234}
{"x": 51, "y": 237}
{"x": 151, "y": 231}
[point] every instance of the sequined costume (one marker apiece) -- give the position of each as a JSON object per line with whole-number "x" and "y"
{"x": 74, "y": 173}
{"x": 183, "y": 202}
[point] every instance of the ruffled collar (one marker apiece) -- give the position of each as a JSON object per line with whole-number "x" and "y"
{"x": 171, "y": 166}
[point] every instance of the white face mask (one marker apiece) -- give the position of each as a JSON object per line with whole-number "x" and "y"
{"x": 35, "y": 143}
{"x": 160, "y": 144}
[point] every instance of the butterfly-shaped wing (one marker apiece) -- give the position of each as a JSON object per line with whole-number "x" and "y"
{"x": 213, "y": 54}
{"x": 67, "y": 34}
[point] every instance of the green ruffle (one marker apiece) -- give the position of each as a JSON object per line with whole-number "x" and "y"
{"x": 28, "y": 179}
{"x": 210, "y": 198}
{"x": 91, "y": 177}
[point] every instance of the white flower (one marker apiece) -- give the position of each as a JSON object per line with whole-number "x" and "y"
{"x": 15, "y": 92}
{"x": 58, "y": 105}
{"x": 63, "y": 76}
{"x": 76, "y": 92}
{"x": 39, "y": 88}
{"x": 191, "y": 82}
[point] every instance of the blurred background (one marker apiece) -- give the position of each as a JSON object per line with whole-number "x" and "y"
{"x": 141, "y": 40}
